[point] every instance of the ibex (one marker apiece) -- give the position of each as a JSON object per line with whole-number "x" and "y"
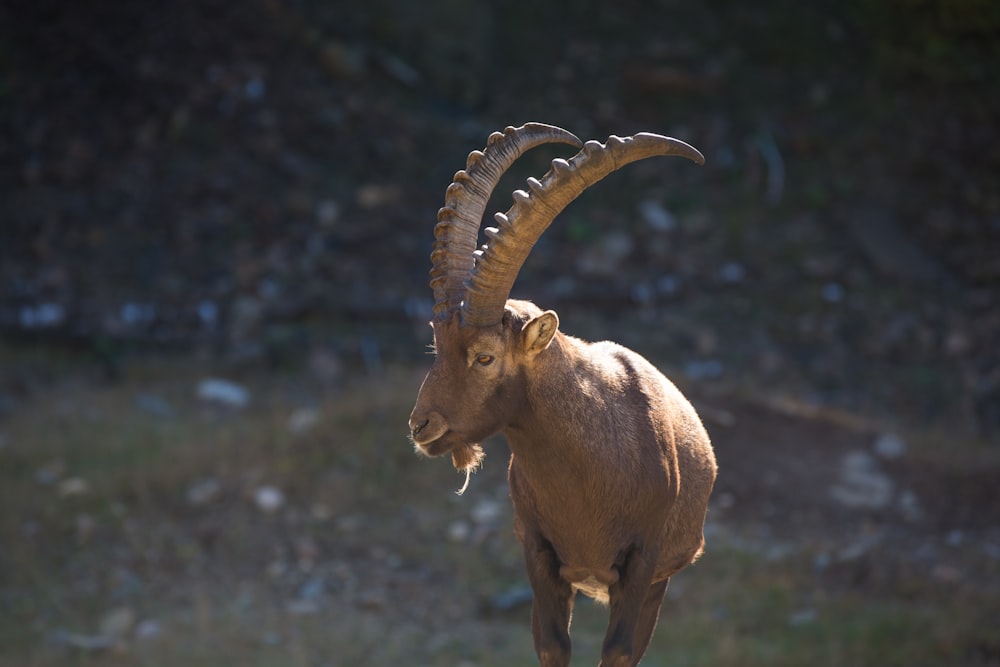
{"x": 611, "y": 468}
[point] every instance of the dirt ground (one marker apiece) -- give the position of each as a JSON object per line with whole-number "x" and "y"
{"x": 248, "y": 191}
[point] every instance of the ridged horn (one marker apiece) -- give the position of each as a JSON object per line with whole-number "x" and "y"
{"x": 456, "y": 234}
{"x": 499, "y": 262}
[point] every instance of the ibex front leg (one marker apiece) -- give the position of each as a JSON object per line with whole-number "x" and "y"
{"x": 551, "y": 604}
{"x": 635, "y": 603}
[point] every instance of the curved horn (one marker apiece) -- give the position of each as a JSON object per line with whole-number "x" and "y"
{"x": 517, "y": 230}
{"x": 457, "y": 231}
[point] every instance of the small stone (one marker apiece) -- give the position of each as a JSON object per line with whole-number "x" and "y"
{"x": 656, "y": 217}
{"x": 255, "y": 88}
{"x": 324, "y": 365}
{"x": 203, "y": 491}
{"x": 486, "y": 511}
{"x": 224, "y": 392}
{"x": 302, "y": 420}
{"x": 802, "y": 617}
{"x": 50, "y": 473}
{"x": 668, "y": 285}
{"x": 376, "y": 196}
{"x": 909, "y": 506}
{"x": 321, "y": 512}
{"x": 707, "y": 369}
{"x": 945, "y": 573}
{"x": 148, "y": 629}
{"x": 85, "y": 527}
{"x": 732, "y": 273}
{"x": 302, "y": 607}
{"x": 343, "y": 60}
{"x": 862, "y": 485}
{"x": 268, "y": 499}
{"x": 72, "y": 486}
{"x": 833, "y": 292}
{"x": 42, "y": 316}
{"x": 605, "y": 257}
{"x": 511, "y": 598}
{"x": 327, "y": 213}
{"x": 245, "y": 315}
{"x": 313, "y": 589}
{"x": 153, "y": 405}
{"x": 957, "y": 343}
{"x": 458, "y": 531}
{"x": 890, "y": 446}
{"x": 208, "y": 313}
{"x": 372, "y": 600}
{"x": 117, "y": 623}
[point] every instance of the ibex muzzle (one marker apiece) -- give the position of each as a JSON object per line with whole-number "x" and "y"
{"x": 600, "y": 440}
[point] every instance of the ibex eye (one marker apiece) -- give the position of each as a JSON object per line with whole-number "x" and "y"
{"x": 484, "y": 359}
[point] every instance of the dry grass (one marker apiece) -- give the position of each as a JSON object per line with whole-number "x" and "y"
{"x": 95, "y": 517}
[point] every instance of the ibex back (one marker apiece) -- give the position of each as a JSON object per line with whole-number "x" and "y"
{"x": 610, "y": 468}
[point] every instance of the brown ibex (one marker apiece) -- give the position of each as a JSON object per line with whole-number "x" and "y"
{"x": 610, "y": 469}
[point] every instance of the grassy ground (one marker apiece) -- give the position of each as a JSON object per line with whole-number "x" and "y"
{"x": 372, "y": 560}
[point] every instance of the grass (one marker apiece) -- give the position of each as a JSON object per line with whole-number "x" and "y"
{"x": 219, "y": 580}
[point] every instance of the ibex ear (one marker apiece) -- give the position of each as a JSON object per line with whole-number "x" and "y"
{"x": 538, "y": 332}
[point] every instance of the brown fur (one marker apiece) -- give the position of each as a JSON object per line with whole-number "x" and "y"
{"x": 610, "y": 470}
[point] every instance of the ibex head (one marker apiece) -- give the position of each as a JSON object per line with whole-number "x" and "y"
{"x": 485, "y": 344}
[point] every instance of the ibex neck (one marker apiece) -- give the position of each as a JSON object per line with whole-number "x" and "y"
{"x": 555, "y": 396}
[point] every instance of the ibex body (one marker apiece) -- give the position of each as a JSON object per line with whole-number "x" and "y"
{"x": 611, "y": 469}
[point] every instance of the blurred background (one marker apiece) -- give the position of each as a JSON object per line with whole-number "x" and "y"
{"x": 215, "y": 222}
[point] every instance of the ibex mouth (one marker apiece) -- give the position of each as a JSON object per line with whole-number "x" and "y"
{"x": 436, "y": 447}
{"x": 465, "y": 455}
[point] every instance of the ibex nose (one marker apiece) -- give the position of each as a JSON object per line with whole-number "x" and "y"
{"x": 427, "y": 427}
{"x": 417, "y": 425}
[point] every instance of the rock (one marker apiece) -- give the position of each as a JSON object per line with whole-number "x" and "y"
{"x": 833, "y": 292}
{"x": 373, "y": 195}
{"x": 704, "y": 369}
{"x": 50, "y": 474}
{"x": 511, "y": 598}
{"x": 325, "y": 365}
{"x": 203, "y": 491}
{"x": 268, "y": 499}
{"x": 486, "y": 511}
{"x": 302, "y": 607}
{"x": 890, "y": 446}
{"x": 909, "y": 506}
{"x": 458, "y": 531}
{"x": 85, "y": 527}
{"x": 153, "y": 405}
{"x": 42, "y": 316}
{"x": 313, "y": 589}
{"x": 862, "y": 485}
{"x": 302, "y": 420}
{"x": 657, "y": 218}
{"x": 891, "y": 250}
{"x": 148, "y": 629}
{"x": 224, "y": 392}
{"x": 245, "y": 316}
{"x": 327, "y": 213}
{"x": 802, "y": 617}
{"x": 117, "y": 623}
{"x": 732, "y": 273}
{"x": 342, "y": 60}
{"x": 72, "y": 486}
{"x": 605, "y": 257}
{"x": 82, "y": 642}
